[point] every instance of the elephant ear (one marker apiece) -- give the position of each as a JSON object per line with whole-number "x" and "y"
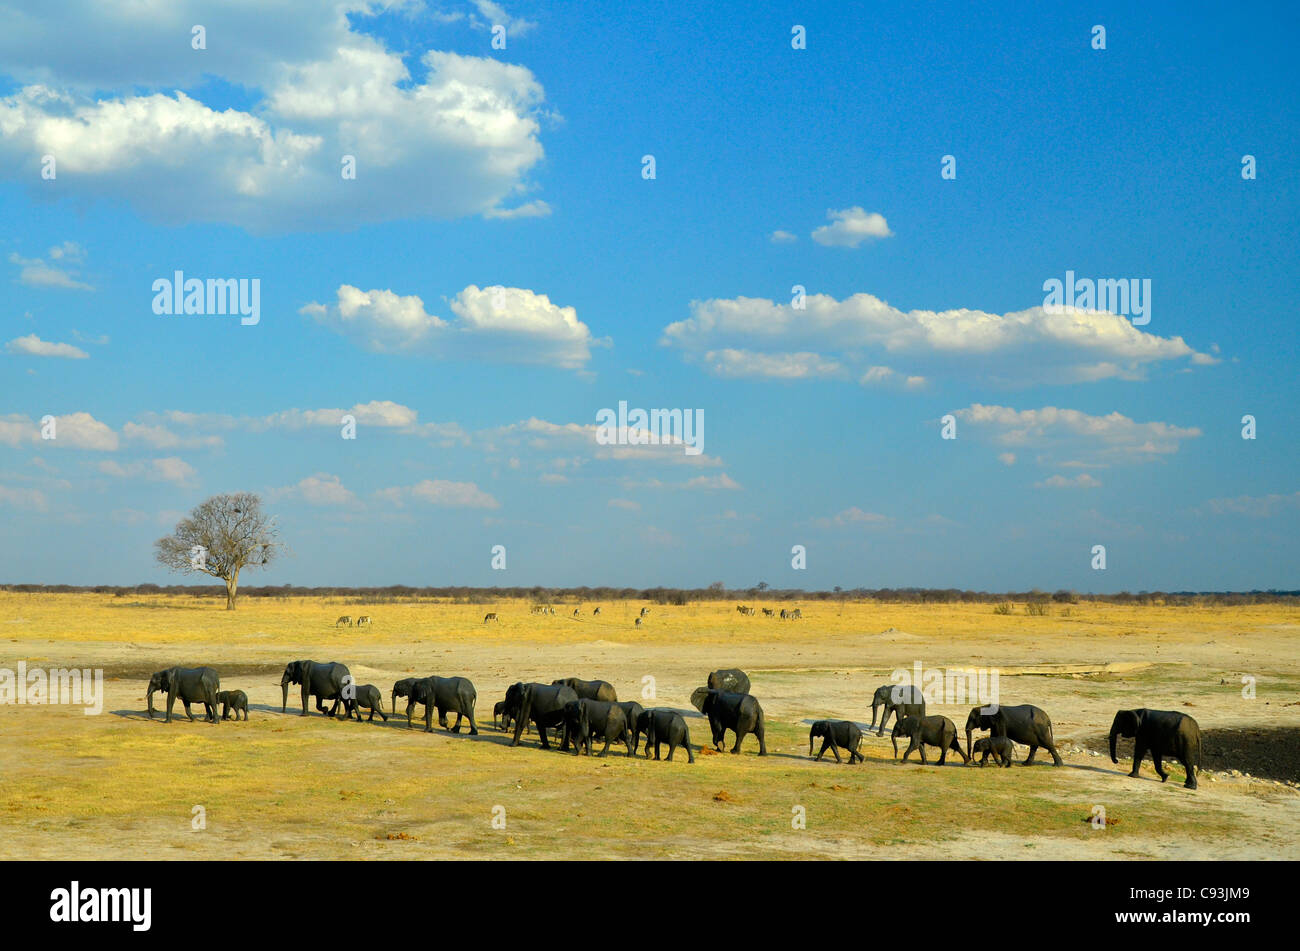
{"x": 698, "y": 697}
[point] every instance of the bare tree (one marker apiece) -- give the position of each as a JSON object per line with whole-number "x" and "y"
{"x": 222, "y": 536}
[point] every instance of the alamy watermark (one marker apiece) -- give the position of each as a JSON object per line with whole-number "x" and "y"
{"x": 656, "y": 427}
{"x": 212, "y": 297}
{"x": 59, "y": 685}
{"x": 1125, "y": 296}
{"x": 950, "y": 685}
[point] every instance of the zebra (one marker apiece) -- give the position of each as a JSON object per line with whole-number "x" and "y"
{"x": 364, "y": 619}
{"x": 344, "y": 621}
{"x": 785, "y": 615}
{"x": 638, "y": 622}
{"x": 490, "y": 616}
{"x": 577, "y": 612}
{"x": 595, "y": 612}
{"x": 796, "y": 614}
{"x": 768, "y": 612}
{"x": 740, "y": 608}
{"x": 644, "y": 612}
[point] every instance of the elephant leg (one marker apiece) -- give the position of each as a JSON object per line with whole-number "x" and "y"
{"x": 459, "y": 717}
{"x": 920, "y": 748}
{"x": 605, "y": 750}
{"x": 1186, "y": 760}
{"x": 541, "y": 730}
{"x": 761, "y": 733}
{"x": 473, "y": 727}
{"x": 740, "y": 738}
{"x": 1033, "y": 748}
{"x": 670, "y": 749}
{"x": 1157, "y": 757}
{"x": 1056, "y": 757}
{"x": 1139, "y": 753}
{"x": 690, "y": 757}
{"x": 881, "y": 731}
{"x": 189, "y": 713}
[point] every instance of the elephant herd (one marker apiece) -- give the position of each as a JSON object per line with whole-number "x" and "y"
{"x": 583, "y": 712}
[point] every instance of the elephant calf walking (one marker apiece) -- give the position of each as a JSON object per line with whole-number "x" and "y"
{"x": 837, "y": 735}
{"x": 928, "y": 731}
{"x": 1161, "y": 733}
{"x": 664, "y": 726}
{"x": 233, "y": 701}
{"x": 368, "y": 697}
{"x": 999, "y": 747}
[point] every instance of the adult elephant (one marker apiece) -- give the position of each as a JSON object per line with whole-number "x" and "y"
{"x": 902, "y": 700}
{"x": 190, "y": 685}
{"x": 730, "y": 679}
{"x": 1161, "y": 733}
{"x": 447, "y": 695}
{"x": 1025, "y": 724}
{"x": 324, "y": 681}
{"x": 738, "y": 712}
{"x": 588, "y": 689}
{"x": 541, "y": 704}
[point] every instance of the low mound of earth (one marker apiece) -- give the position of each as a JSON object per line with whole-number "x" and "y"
{"x": 1263, "y": 752}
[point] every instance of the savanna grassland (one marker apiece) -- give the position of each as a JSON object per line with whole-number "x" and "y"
{"x": 283, "y": 786}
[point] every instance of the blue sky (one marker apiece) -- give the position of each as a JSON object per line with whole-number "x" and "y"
{"x": 522, "y": 169}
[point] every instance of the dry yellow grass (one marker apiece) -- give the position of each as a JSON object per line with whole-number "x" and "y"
{"x": 117, "y": 785}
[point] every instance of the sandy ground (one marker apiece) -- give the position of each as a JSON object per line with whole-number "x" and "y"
{"x": 118, "y": 786}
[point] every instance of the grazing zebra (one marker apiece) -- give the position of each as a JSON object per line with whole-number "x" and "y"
{"x": 644, "y": 612}
{"x": 785, "y": 615}
{"x": 344, "y": 621}
{"x": 740, "y": 608}
{"x": 595, "y": 612}
{"x": 768, "y": 612}
{"x": 577, "y": 612}
{"x": 550, "y": 609}
{"x": 748, "y": 612}
{"x": 364, "y": 619}
{"x": 490, "y": 616}
{"x": 638, "y": 622}
{"x": 796, "y": 615}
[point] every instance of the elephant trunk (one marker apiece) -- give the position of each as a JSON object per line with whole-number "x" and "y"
{"x": 893, "y": 738}
{"x": 149, "y": 700}
{"x": 968, "y": 733}
{"x": 284, "y": 694}
{"x": 1114, "y": 732}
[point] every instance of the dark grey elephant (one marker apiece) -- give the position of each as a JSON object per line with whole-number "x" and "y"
{"x": 837, "y": 735}
{"x": 365, "y": 697}
{"x": 447, "y": 695}
{"x": 190, "y": 685}
{"x": 738, "y": 712}
{"x": 401, "y": 688}
{"x": 902, "y": 700}
{"x": 539, "y": 704}
{"x": 730, "y": 679}
{"x": 927, "y": 731}
{"x": 233, "y": 700}
{"x": 599, "y": 719}
{"x": 1026, "y": 724}
{"x": 999, "y": 747}
{"x": 1161, "y": 733}
{"x": 661, "y": 725}
{"x": 631, "y": 713}
{"x": 588, "y": 689}
{"x": 324, "y": 681}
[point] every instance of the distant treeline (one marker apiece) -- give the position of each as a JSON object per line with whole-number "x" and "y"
{"x": 678, "y": 596}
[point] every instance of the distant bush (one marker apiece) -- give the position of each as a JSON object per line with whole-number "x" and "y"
{"x": 1003, "y": 608}
{"x": 1037, "y": 609}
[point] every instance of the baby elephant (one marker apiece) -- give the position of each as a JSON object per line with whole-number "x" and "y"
{"x": 369, "y": 697}
{"x": 836, "y": 734}
{"x": 999, "y": 747}
{"x": 233, "y": 700}
{"x": 927, "y": 731}
{"x": 664, "y": 726}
